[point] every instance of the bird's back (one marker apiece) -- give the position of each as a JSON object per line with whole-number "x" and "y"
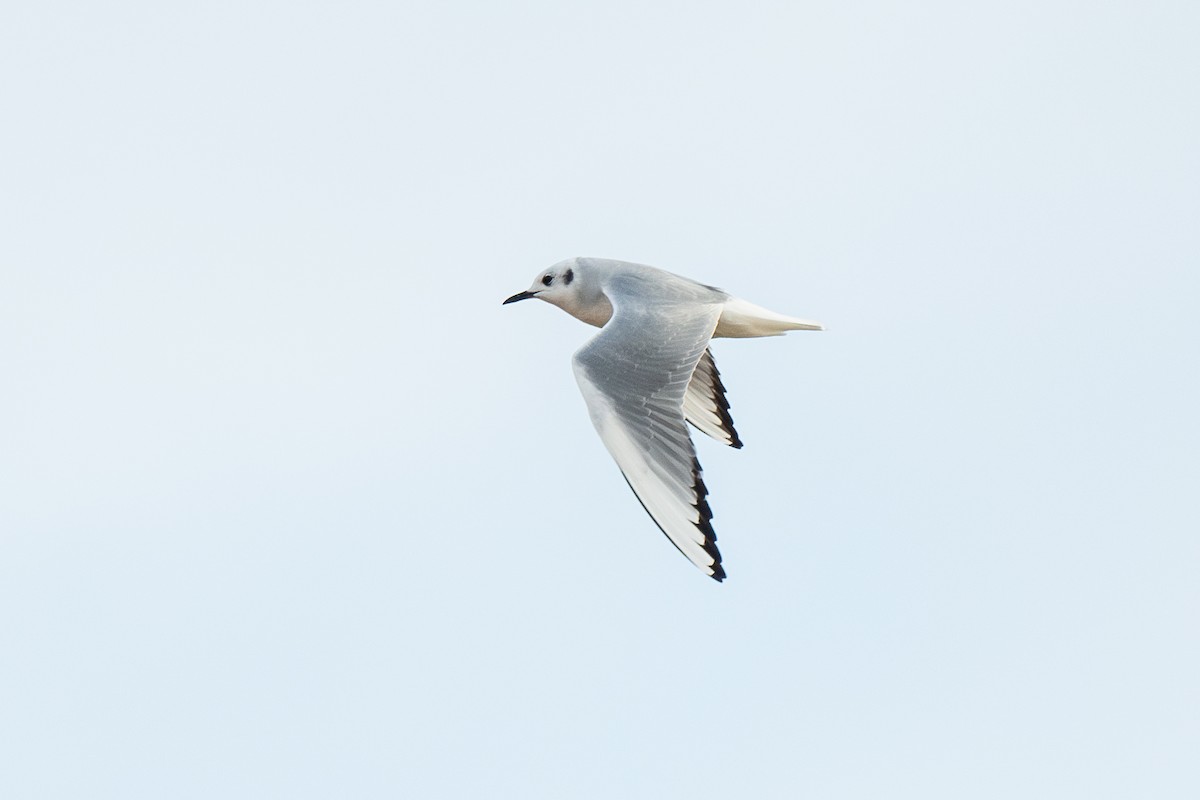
{"x": 639, "y": 282}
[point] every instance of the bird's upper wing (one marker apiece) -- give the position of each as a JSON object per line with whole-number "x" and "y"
{"x": 634, "y": 375}
{"x": 705, "y": 405}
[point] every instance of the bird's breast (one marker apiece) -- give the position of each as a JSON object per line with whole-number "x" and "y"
{"x": 597, "y": 312}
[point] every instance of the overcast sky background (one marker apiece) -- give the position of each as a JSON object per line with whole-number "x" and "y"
{"x": 291, "y": 507}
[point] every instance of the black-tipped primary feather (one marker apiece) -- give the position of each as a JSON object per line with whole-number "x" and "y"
{"x": 705, "y": 404}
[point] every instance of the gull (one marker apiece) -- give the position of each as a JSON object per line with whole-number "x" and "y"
{"x": 649, "y": 371}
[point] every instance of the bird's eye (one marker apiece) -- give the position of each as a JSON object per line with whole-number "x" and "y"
{"x": 547, "y": 280}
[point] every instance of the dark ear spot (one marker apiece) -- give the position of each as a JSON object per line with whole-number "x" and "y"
{"x": 568, "y": 276}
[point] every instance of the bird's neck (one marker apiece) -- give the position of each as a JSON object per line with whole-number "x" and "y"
{"x": 595, "y": 310}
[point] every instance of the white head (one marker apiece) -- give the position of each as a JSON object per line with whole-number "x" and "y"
{"x": 573, "y": 287}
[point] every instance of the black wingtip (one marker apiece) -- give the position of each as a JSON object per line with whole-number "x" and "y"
{"x": 705, "y": 523}
{"x": 719, "y": 401}
{"x": 722, "y": 403}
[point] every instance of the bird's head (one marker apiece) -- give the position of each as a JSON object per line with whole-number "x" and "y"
{"x": 556, "y": 285}
{"x": 575, "y": 286}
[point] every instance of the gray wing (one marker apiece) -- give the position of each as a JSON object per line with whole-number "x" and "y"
{"x": 705, "y": 405}
{"x": 634, "y": 375}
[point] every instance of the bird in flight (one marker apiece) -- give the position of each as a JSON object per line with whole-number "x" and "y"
{"x": 649, "y": 371}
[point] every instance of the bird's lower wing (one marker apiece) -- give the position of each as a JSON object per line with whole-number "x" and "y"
{"x": 634, "y": 375}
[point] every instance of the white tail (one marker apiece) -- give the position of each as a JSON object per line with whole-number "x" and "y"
{"x": 743, "y": 320}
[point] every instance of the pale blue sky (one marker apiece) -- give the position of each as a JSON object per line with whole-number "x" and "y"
{"x": 291, "y": 507}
